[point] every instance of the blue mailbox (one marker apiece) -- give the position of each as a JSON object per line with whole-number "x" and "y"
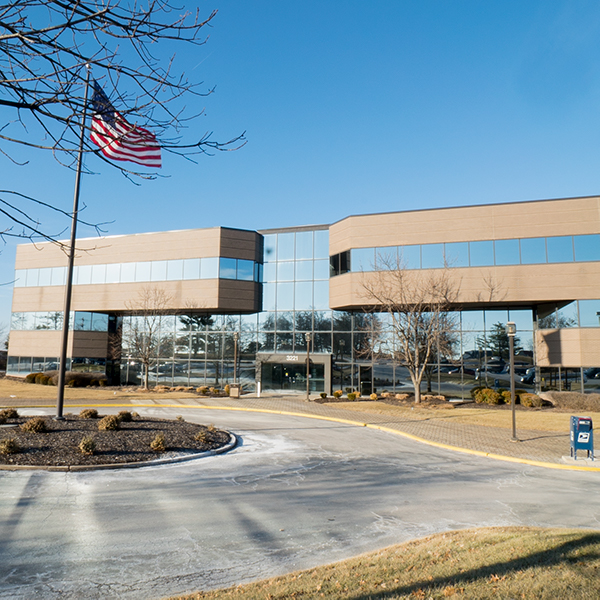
{"x": 582, "y": 436}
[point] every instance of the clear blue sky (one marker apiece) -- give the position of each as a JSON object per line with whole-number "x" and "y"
{"x": 353, "y": 107}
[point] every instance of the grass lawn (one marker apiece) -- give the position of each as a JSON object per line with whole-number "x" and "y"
{"x": 512, "y": 562}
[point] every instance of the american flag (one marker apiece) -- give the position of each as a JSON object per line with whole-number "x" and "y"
{"x": 118, "y": 139}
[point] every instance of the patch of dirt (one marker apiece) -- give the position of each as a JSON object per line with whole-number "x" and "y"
{"x": 59, "y": 446}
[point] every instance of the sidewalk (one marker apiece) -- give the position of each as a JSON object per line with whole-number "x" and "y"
{"x": 536, "y": 446}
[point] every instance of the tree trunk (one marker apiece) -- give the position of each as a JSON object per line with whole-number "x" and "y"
{"x": 146, "y": 375}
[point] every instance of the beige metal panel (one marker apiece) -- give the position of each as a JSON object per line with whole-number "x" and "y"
{"x": 167, "y": 245}
{"x": 572, "y": 347}
{"x": 520, "y": 285}
{"x": 572, "y": 216}
{"x": 44, "y": 343}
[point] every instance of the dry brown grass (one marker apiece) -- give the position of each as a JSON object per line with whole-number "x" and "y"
{"x": 511, "y": 562}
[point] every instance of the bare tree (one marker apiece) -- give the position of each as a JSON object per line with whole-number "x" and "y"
{"x": 131, "y": 49}
{"x": 418, "y": 303}
{"x": 142, "y": 335}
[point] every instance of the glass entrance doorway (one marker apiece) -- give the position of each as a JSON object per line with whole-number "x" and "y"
{"x": 282, "y": 376}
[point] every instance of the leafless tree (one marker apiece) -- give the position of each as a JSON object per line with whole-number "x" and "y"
{"x": 418, "y": 304}
{"x": 142, "y": 334}
{"x": 131, "y": 49}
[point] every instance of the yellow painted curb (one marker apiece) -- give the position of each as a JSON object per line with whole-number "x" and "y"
{"x": 410, "y": 436}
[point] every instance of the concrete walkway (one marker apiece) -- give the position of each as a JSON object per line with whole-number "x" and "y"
{"x": 534, "y": 446}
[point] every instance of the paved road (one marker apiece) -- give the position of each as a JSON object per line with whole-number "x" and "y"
{"x": 296, "y": 493}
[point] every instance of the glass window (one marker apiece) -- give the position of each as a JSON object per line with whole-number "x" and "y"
{"x": 507, "y": 252}
{"x": 321, "y": 269}
{"x": 45, "y": 277}
{"x": 174, "y": 270}
{"x": 209, "y": 268}
{"x": 322, "y": 243}
{"x": 266, "y": 321}
{"x": 560, "y": 249}
{"x": 159, "y": 270}
{"x": 523, "y": 319}
{"x": 386, "y": 258}
{"x": 285, "y": 271}
{"x": 432, "y": 256}
{"x": 99, "y": 322}
{"x": 285, "y": 246}
{"x": 567, "y": 316}
{"x": 303, "y": 295}
{"x": 304, "y": 270}
{"x": 285, "y": 296}
{"x": 269, "y": 290}
{"x": 17, "y": 320}
{"x": 143, "y": 271}
{"x": 285, "y": 321}
{"x": 481, "y": 253}
{"x": 32, "y": 277}
{"x": 457, "y": 254}
{"x": 362, "y": 259}
{"x": 321, "y": 295}
{"x": 410, "y": 256}
{"x": 83, "y": 321}
{"x": 472, "y": 320}
{"x": 127, "y": 272}
{"x": 493, "y": 317}
{"x": 20, "y": 277}
{"x": 322, "y": 320}
{"x": 245, "y": 270}
{"x": 589, "y": 313}
{"x": 304, "y": 244}
{"x": 269, "y": 272}
{"x": 84, "y": 274}
{"x": 98, "y": 273}
{"x": 270, "y": 247}
{"x": 533, "y": 251}
{"x": 191, "y": 268}
{"x": 304, "y": 320}
{"x": 258, "y": 268}
{"x": 587, "y": 247}
{"x": 59, "y": 275}
{"x": 113, "y": 273}
{"x": 227, "y": 268}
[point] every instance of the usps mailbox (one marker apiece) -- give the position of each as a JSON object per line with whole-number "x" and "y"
{"x": 582, "y": 436}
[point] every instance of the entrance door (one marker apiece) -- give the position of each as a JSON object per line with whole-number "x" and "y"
{"x": 292, "y": 377}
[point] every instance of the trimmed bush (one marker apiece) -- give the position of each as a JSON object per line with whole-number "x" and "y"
{"x": 323, "y": 395}
{"x": 337, "y": 394}
{"x": 109, "y": 423}
{"x": 31, "y": 377}
{"x": 40, "y": 378}
{"x": 87, "y": 446}
{"x": 531, "y": 400}
{"x": 506, "y": 396}
{"x": 348, "y": 390}
{"x": 125, "y": 416}
{"x": 159, "y": 444}
{"x": 351, "y": 396}
{"x": 9, "y": 413}
{"x": 202, "y": 390}
{"x": 34, "y": 425}
{"x": 89, "y": 413}
{"x": 227, "y": 389}
{"x": 9, "y": 446}
{"x": 202, "y": 437}
{"x": 373, "y": 396}
{"x": 488, "y": 396}
{"x": 135, "y": 415}
{"x": 475, "y": 390}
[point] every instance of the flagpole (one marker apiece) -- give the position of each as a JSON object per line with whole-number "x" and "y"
{"x": 62, "y": 366}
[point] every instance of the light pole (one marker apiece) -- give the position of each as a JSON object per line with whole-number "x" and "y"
{"x": 511, "y": 331}
{"x": 236, "y": 336}
{"x": 308, "y": 337}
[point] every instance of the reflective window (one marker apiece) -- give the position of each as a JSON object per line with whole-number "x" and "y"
{"x": 84, "y": 274}
{"x": 143, "y": 271}
{"x": 285, "y": 246}
{"x": 587, "y": 247}
{"x": 227, "y": 268}
{"x": 507, "y": 252}
{"x": 21, "y": 277}
{"x": 432, "y": 256}
{"x": 457, "y": 254}
{"x": 99, "y": 322}
{"x": 159, "y": 270}
{"x": 127, "y": 272}
{"x": 560, "y": 249}
{"x": 410, "y": 256}
{"x": 321, "y": 269}
{"x": 45, "y": 276}
{"x": 269, "y": 272}
{"x": 304, "y": 270}
{"x": 98, "y": 273}
{"x": 304, "y": 244}
{"x": 209, "y": 268}
{"x": 493, "y": 317}
{"x": 285, "y": 296}
{"x": 245, "y": 270}
{"x": 566, "y": 316}
{"x": 285, "y": 271}
{"x": 32, "y": 277}
{"x": 268, "y": 293}
{"x": 59, "y": 275}
{"x": 174, "y": 270}
{"x": 589, "y": 313}
{"x": 362, "y": 259}
{"x": 533, "y": 251}
{"x": 472, "y": 320}
{"x": 523, "y": 319}
{"x": 481, "y": 253}
{"x": 83, "y": 321}
{"x": 321, "y": 243}
{"x": 386, "y": 258}
{"x": 321, "y": 295}
{"x": 113, "y": 273}
{"x": 191, "y": 268}
{"x": 303, "y": 295}
{"x": 270, "y": 247}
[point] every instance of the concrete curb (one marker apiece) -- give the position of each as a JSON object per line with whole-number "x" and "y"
{"x": 230, "y": 445}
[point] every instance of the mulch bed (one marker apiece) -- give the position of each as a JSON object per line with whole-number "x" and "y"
{"x": 59, "y": 446}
